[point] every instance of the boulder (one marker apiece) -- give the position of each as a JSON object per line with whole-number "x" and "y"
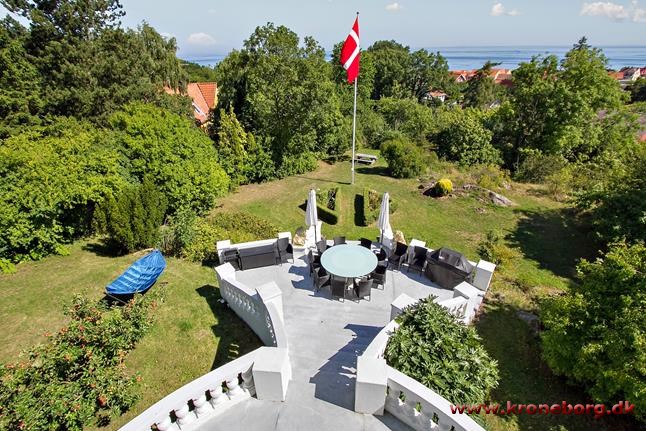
{"x": 499, "y": 200}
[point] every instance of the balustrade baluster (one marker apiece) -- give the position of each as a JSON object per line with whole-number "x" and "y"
{"x": 184, "y": 415}
{"x": 201, "y": 406}
{"x": 234, "y": 386}
{"x": 425, "y": 419}
{"x": 217, "y": 396}
{"x": 165, "y": 425}
{"x": 408, "y": 408}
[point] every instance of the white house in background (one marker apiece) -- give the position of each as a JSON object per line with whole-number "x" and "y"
{"x": 436, "y": 95}
{"x": 631, "y": 73}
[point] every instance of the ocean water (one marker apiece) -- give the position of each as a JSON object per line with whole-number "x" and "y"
{"x": 509, "y": 57}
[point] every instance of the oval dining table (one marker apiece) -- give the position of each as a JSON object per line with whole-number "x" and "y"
{"x": 348, "y": 261}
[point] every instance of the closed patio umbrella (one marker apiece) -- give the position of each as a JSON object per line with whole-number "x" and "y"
{"x": 311, "y": 218}
{"x": 383, "y": 223}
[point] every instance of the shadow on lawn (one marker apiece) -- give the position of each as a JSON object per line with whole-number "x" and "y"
{"x": 235, "y": 338}
{"x": 526, "y": 378}
{"x": 100, "y": 248}
{"x": 358, "y": 210}
{"x": 374, "y": 170}
{"x": 553, "y": 238}
{"x": 322, "y": 180}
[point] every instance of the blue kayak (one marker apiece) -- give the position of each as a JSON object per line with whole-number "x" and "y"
{"x": 140, "y": 276}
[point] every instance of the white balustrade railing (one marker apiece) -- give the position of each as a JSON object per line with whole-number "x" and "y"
{"x": 260, "y": 308}
{"x": 377, "y": 346}
{"x": 203, "y": 397}
{"x": 457, "y": 307}
{"x": 421, "y": 408}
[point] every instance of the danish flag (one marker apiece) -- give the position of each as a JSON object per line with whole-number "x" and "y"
{"x": 350, "y": 52}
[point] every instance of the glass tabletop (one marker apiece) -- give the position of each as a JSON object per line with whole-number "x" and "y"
{"x": 348, "y": 260}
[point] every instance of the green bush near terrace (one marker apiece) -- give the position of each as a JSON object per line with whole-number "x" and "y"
{"x": 195, "y": 238}
{"x": 242, "y": 227}
{"x": 437, "y": 351}
{"x": 596, "y": 333}
{"x": 78, "y": 377}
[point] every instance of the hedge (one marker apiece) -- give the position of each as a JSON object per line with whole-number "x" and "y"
{"x": 327, "y": 205}
{"x": 372, "y": 206}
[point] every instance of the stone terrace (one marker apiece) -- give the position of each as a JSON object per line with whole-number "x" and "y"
{"x": 325, "y": 336}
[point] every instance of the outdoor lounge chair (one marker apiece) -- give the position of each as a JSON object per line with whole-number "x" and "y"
{"x": 363, "y": 288}
{"x": 285, "y": 250}
{"x": 337, "y": 287}
{"x": 366, "y": 243}
{"x": 398, "y": 256}
{"x": 419, "y": 259}
{"x": 320, "y": 279}
{"x": 321, "y": 246}
{"x": 382, "y": 257}
{"x": 314, "y": 261}
{"x": 338, "y": 240}
{"x": 379, "y": 276}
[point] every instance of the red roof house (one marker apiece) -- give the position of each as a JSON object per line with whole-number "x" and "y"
{"x": 205, "y": 98}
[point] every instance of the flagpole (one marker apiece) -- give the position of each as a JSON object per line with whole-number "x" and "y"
{"x": 354, "y": 124}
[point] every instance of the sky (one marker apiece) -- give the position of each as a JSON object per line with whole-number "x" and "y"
{"x": 214, "y": 27}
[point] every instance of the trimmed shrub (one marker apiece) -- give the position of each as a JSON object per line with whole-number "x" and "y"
{"x": 405, "y": 160}
{"x": 78, "y": 377}
{"x": 372, "y": 206}
{"x": 327, "y": 205}
{"x": 595, "y": 333}
{"x": 132, "y": 220}
{"x": 433, "y": 348}
{"x": 443, "y": 187}
{"x": 203, "y": 246}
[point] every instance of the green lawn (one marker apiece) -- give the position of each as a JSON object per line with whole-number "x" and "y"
{"x": 195, "y": 333}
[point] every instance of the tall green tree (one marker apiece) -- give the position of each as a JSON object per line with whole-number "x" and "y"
{"x": 563, "y": 110}
{"x": 20, "y": 100}
{"x": 282, "y": 92}
{"x": 464, "y": 139}
{"x": 241, "y": 157}
{"x": 428, "y": 71}
{"x": 481, "y": 90}
{"x": 88, "y": 64}
{"x": 178, "y": 156}
{"x": 595, "y": 334}
{"x": 392, "y": 63}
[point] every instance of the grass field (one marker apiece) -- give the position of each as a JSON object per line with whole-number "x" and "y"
{"x": 195, "y": 333}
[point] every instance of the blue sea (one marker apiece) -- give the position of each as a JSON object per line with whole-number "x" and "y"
{"x": 509, "y": 57}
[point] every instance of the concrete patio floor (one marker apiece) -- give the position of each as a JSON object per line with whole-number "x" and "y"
{"x": 325, "y": 336}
